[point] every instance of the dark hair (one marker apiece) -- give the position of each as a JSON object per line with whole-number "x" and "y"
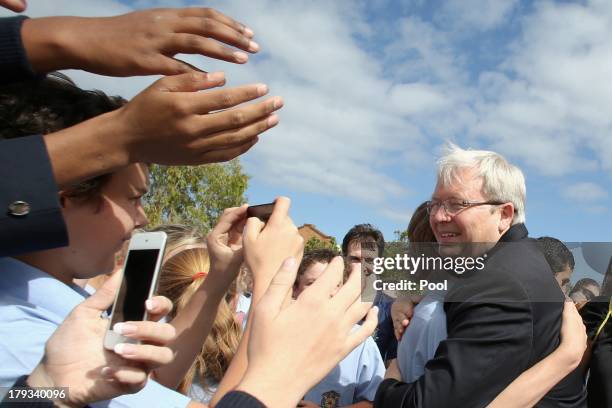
{"x": 363, "y": 233}
{"x": 556, "y": 253}
{"x": 580, "y": 286}
{"x": 419, "y": 229}
{"x": 51, "y": 104}
{"x": 323, "y": 255}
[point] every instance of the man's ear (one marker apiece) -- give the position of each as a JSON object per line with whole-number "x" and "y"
{"x": 506, "y": 217}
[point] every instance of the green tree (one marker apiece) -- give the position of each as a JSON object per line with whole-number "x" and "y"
{"x": 194, "y": 195}
{"x": 316, "y": 243}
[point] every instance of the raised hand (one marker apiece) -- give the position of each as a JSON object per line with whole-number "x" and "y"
{"x": 138, "y": 43}
{"x": 225, "y": 247}
{"x": 285, "y": 361}
{"x": 75, "y": 356}
{"x": 267, "y": 245}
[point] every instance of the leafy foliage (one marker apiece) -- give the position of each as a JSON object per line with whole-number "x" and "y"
{"x": 194, "y": 195}
{"x": 316, "y": 243}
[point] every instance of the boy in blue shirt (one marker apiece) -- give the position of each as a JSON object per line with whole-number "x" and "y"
{"x": 37, "y": 291}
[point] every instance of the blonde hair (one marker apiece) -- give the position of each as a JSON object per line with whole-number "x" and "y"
{"x": 501, "y": 181}
{"x": 188, "y": 259}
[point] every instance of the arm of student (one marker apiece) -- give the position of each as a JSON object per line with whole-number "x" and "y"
{"x": 531, "y": 386}
{"x": 148, "y": 39}
{"x": 265, "y": 248}
{"x": 488, "y": 345}
{"x": 194, "y": 322}
{"x": 168, "y": 123}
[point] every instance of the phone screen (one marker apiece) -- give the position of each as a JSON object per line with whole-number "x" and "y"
{"x": 134, "y": 291}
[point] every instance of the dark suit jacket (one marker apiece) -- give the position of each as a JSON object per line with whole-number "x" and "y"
{"x": 26, "y": 176}
{"x": 25, "y": 169}
{"x": 501, "y": 320}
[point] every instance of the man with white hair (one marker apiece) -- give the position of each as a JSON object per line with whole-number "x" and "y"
{"x": 501, "y": 319}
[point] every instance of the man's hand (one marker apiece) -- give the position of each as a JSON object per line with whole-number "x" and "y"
{"x": 267, "y": 245}
{"x": 401, "y": 313}
{"x": 224, "y": 244}
{"x": 139, "y": 43}
{"x": 75, "y": 356}
{"x": 294, "y": 345}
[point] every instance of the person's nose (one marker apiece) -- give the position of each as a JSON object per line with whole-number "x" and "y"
{"x": 439, "y": 214}
{"x": 141, "y": 219}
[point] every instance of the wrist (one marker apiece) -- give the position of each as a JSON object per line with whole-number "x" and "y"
{"x": 87, "y": 150}
{"x": 269, "y": 393}
{"x": 567, "y": 359}
{"x": 40, "y": 378}
{"x": 47, "y": 43}
{"x": 213, "y": 290}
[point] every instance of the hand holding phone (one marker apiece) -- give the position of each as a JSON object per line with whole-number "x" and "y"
{"x": 261, "y": 211}
{"x": 266, "y": 246}
{"x": 224, "y": 244}
{"x": 139, "y": 283}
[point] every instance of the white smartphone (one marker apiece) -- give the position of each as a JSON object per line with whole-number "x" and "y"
{"x": 139, "y": 283}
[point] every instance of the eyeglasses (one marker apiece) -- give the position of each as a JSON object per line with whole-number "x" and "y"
{"x": 454, "y": 207}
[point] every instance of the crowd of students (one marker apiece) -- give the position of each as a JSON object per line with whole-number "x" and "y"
{"x": 298, "y": 334}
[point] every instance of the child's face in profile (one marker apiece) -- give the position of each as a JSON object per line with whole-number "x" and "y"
{"x": 98, "y": 230}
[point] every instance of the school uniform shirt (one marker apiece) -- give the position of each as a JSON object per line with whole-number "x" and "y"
{"x": 32, "y": 305}
{"x": 354, "y": 379}
{"x": 426, "y": 330}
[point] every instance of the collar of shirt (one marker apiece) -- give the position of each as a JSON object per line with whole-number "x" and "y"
{"x": 31, "y": 285}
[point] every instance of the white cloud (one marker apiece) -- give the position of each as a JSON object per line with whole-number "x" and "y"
{"x": 551, "y": 103}
{"x": 586, "y": 192}
{"x": 415, "y": 98}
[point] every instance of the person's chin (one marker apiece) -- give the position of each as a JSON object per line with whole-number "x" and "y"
{"x": 450, "y": 248}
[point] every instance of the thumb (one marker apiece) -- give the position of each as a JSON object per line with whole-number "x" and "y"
{"x": 281, "y": 286}
{"x": 189, "y": 82}
{"x": 104, "y": 297}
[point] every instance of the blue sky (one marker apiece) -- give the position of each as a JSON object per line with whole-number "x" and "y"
{"x": 373, "y": 89}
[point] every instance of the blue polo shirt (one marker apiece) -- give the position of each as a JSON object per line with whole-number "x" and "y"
{"x": 32, "y": 305}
